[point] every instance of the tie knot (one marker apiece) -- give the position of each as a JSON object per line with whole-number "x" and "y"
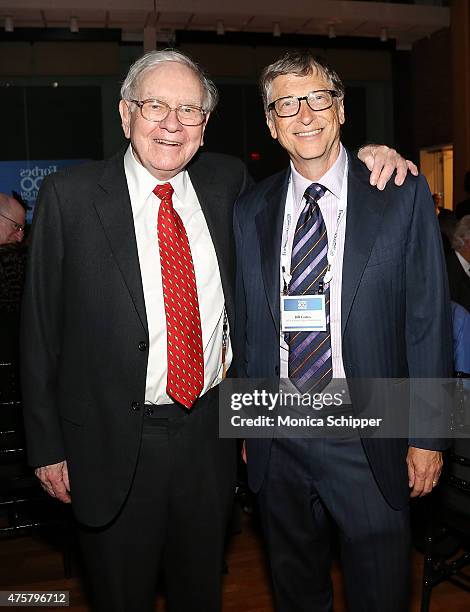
{"x": 164, "y": 192}
{"x": 314, "y": 192}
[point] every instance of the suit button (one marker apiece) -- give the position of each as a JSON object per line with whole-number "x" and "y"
{"x": 142, "y": 346}
{"x": 135, "y": 406}
{"x": 149, "y": 411}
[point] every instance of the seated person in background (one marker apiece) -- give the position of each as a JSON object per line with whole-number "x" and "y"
{"x": 461, "y": 338}
{"x": 458, "y": 264}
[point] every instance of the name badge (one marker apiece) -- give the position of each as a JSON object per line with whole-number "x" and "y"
{"x": 303, "y": 313}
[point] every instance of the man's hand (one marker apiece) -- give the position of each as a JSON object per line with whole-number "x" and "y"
{"x": 55, "y": 480}
{"x": 424, "y": 469}
{"x": 382, "y": 162}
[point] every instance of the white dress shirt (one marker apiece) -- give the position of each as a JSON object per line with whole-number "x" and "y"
{"x": 335, "y": 180}
{"x": 145, "y": 207}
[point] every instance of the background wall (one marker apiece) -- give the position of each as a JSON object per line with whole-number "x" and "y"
{"x": 62, "y": 98}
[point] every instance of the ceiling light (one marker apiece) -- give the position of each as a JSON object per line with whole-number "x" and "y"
{"x": 331, "y": 31}
{"x": 9, "y": 26}
{"x": 220, "y": 28}
{"x": 383, "y": 35}
{"x": 74, "y": 24}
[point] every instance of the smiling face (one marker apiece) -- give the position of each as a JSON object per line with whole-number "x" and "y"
{"x": 311, "y": 137}
{"x": 165, "y": 147}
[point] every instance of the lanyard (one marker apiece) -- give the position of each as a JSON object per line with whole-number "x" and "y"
{"x": 333, "y": 244}
{"x": 333, "y": 248}
{"x": 286, "y": 276}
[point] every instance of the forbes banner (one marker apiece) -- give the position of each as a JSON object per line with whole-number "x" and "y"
{"x": 25, "y": 177}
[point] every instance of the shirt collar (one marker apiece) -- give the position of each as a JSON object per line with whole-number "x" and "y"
{"x": 332, "y": 179}
{"x": 141, "y": 183}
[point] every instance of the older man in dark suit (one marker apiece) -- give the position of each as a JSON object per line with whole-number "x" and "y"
{"x": 371, "y": 264}
{"x": 126, "y": 335}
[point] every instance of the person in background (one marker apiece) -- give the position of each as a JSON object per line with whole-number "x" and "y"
{"x": 12, "y": 266}
{"x": 438, "y": 201}
{"x": 461, "y": 336}
{"x": 12, "y": 220}
{"x": 458, "y": 263}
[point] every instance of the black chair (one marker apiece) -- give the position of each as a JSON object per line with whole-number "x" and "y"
{"x": 24, "y": 507}
{"x": 447, "y": 549}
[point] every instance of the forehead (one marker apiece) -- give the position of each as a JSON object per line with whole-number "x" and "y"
{"x": 14, "y": 210}
{"x": 170, "y": 80}
{"x": 295, "y": 85}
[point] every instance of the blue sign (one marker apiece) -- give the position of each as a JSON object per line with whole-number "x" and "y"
{"x": 309, "y": 302}
{"x": 25, "y": 177}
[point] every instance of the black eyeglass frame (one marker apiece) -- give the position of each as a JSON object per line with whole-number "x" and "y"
{"x": 140, "y": 104}
{"x": 18, "y": 227}
{"x": 333, "y": 93}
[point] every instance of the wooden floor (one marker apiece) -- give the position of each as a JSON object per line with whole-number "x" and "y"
{"x": 34, "y": 563}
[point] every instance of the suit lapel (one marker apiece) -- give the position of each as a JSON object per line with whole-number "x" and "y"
{"x": 269, "y": 223}
{"x": 365, "y": 210}
{"x": 113, "y": 206}
{"x": 212, "y": 198}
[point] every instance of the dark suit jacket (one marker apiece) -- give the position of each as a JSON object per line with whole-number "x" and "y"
{"x": 459, "y": 282}
{"x": 395, "y": 305}
{"x": 84, "y": 332}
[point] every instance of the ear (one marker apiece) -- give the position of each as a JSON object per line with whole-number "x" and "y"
{"x": 204, "y": 128}
{"x": 341, "y": 112}
{"x": 125, "y": 113}
{"x": 271, "y": 125}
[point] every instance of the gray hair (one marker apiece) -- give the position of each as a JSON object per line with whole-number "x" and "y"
{"x": 462, "y": 233}
{"x": 154, "y": 58}
{"x": 300, "y": 63}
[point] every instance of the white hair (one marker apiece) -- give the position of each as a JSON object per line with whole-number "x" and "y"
{"x": 154, "y": 58}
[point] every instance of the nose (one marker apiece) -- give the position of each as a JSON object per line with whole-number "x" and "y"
{"x": 171, "y": 122}
{"x": 306, "y": 114}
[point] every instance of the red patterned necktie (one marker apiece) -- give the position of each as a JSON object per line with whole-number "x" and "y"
{"x": 185, "y": 378}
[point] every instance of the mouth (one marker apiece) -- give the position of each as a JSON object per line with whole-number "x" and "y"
{"x": 167, "y": 143}
{"x": 309, "y": 133}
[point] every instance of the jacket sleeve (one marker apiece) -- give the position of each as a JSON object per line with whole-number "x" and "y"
{"x": 428, "y": 325}
{"x": 41, "y": 319}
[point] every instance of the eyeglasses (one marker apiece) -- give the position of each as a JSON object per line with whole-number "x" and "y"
{"x": 18, "y": 227}
{"x": 289, "y": 106}
{"x": 156, "y": 110}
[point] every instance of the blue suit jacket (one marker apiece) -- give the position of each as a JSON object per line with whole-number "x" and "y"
{"x": 395, "y": 304}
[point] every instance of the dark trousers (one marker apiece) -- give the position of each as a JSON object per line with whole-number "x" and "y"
{"x": 312, "y": 485}
{"x": 173, "y": 520}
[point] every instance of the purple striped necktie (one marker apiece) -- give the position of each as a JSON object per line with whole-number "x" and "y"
{"x": 310, "y": 365}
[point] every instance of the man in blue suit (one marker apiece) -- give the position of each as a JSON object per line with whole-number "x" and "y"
{"x": 372, "y": 261}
